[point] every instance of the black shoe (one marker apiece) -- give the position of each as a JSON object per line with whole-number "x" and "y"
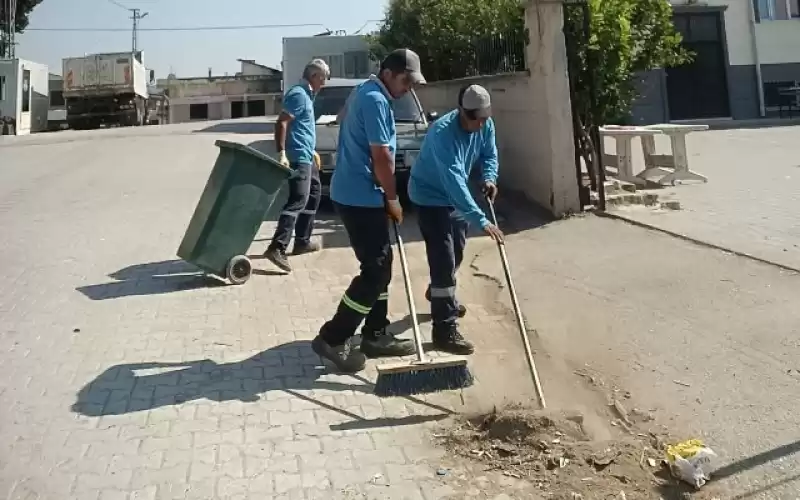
{"x": 278, "y": 257}
{"x": 345, "y": 358}
{"x": 385, "y": 344}
{"x": 310, "y": 247}
{"x": 453, "y": 342}
{"x": 462, "y": 309}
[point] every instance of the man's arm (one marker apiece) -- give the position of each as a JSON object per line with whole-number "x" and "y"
{"x": 450, "y": 162}
{"x": 378, "y": 122}
{"x": 292, "y": 106}
{"x": 488, "y": 154}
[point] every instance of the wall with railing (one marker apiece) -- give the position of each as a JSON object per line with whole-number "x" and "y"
{"x": 531, "y": 106}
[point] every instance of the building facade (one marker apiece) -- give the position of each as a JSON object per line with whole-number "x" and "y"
{"x": 347, "y": 55}
{"x": 254, "y": 91}
{"x": 24, "y": 97}
{"x": 745, "y": 51}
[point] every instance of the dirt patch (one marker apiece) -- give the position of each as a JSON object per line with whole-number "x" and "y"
{"x": 556, "y": 453}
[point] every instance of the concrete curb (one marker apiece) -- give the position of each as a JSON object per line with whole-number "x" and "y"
{"x": 696, "y": 241}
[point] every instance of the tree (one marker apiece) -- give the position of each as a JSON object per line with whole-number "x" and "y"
{"x": 608, "y": 43}
{"x": 454, "y": 38}
{"x": 624, "y": 38}
{"x": 23, "y": 10}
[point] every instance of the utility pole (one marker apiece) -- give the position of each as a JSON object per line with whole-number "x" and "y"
{"x": 8, "y": 37}
{"x": 136, "y": 15}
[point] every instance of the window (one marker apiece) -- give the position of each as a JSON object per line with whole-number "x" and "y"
{"x": 198, "y": 111}
{"x": 335, "y": 63}
{"x": 26, "y": 91}
{"x": 2, "y": 88}
{"x": 777, "y": 10}
{"x": 356, "y": 64}
{"x": 57, "y": 98}
{"x": 257, "y": 108}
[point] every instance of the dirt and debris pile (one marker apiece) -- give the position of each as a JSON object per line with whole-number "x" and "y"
{"x": 554, "y": 451}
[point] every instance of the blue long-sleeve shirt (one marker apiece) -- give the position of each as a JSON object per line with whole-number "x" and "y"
{"x": 439, "y": 176}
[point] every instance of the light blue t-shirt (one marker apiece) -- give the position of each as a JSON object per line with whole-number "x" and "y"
{"x": 369, "y": 121}
{"x": 439, "y": 176}
{"x": 301, "y": 136}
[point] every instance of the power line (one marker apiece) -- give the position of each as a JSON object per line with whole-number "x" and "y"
{"x": 114, "y": 2}
{"x": 188, "y": 28}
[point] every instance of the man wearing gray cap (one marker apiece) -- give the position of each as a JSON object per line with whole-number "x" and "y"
{"x": 439, "y": 188}
{"x": 296, "y": 139}
{"x": 364, "y": 192}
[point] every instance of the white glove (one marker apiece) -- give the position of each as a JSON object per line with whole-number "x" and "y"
{"x": 282, "y": 159}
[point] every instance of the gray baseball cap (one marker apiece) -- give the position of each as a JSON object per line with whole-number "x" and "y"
{"x": 477, "y": 99}
{"x": 405, "y": 60}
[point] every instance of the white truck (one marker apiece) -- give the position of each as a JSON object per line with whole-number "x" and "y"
{"x": 106, "y": 89}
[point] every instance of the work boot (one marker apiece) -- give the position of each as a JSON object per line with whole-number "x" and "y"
{"x": 384, "y": 344}
{"x": 345, "y": 358}
{"x": 278, "y": 257}
{"x": 306, "y": 247}
{"x": 462, "y": 309}
{"x": 452, "y": 341}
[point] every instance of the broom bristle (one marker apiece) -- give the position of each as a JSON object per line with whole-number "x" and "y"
{"x": 423, "y": 379}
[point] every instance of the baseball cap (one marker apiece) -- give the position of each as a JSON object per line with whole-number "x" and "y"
{"x": 477, "y": 99}
{"x": 405, "y": 60}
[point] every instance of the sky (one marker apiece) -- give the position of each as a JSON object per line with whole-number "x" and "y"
{"x": 187, "y": 53}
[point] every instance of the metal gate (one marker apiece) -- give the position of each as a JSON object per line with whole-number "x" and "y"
{"x": 699, "y": 89}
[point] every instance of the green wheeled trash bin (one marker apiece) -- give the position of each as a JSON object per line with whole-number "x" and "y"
{"x": 241, "y": 188}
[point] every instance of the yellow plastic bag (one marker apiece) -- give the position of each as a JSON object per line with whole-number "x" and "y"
{"x": 691, "y": 461}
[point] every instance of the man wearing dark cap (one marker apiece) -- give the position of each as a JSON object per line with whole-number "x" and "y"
{"x": 365, "y": 195}
{"x": 439, "y": 188}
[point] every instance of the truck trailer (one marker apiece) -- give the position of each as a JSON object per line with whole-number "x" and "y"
{"x": 106, "y": 89}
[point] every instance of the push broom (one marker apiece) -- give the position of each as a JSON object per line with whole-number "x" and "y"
{"x": 425, "y": 375}
{"x": 523, "y": 331}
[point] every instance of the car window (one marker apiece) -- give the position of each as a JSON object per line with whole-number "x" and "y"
{"x": 330, "y": 100}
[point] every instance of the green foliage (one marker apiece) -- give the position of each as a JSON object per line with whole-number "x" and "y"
{"x": 24, "y": 8}
{"x": 625, "y": 37}
{"x": 451, "y": 35}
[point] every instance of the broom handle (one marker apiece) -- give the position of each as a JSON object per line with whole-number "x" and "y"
{"x": 520, "y": 320}
{"x": 409, "y": 295}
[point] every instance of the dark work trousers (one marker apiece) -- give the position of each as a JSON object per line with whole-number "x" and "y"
{"x": 445, "y": 233}
{"x": 298, "y": 214}
{"x": 367, "y": 296}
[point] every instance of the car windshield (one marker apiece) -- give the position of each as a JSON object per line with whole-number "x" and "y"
{"x": 330, "y": 100}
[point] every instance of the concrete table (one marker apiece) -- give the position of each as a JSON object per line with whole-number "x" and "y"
{"x": 623, "y": 160}
{"x": 675, "y": 165}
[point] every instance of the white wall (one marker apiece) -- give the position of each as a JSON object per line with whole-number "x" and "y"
{"x": 39, "y": 94}
{"x": 779, "y": 41}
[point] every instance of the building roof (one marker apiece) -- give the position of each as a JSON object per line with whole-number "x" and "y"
{"x": 251, "y": 61}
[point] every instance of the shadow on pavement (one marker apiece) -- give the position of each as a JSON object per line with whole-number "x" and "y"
{"x": 239, "y": 127}
{"x": 152, "y": 278}
{"x": 291, "y": 368}
{"x": 514, "y": 215}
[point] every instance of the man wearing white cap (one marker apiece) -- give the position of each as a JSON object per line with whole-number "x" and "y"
{"x": 296, "y": 139}
{"x": 439, "y": 188}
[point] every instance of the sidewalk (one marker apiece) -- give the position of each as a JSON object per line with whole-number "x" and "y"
{"x": 751, "y": 200}
{"x": 125, "y": 375}
{"x": 706, "y": 339}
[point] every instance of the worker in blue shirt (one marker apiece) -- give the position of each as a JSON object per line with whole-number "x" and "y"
{"x": 438, "y": 186}
{"x": 295, "y": 139}
{"x": 364, "y": 192}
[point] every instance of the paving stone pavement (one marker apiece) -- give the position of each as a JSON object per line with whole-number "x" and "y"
{"x": 125, "y": 375}
{"x": 750, "y": 202}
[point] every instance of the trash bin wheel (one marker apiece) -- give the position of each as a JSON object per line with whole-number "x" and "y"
{"x": 239, "y": 270}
